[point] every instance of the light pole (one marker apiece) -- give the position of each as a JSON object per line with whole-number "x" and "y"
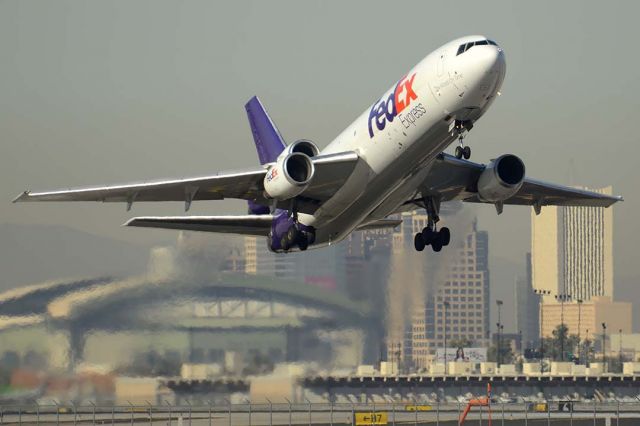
{"x": 586, "y": 349}
{"x": 579, "y": 345}
{"x": 499, "y": 346}
{"x": 620, "y": 348}
{"x": 563, "y": 329}
{"x": 444, "y": 326}
{"x": 604, "y": 351}
{"x": 541, "y": 294}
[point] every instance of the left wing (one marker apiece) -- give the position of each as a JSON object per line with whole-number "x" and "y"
{"x": 451, "y": 178}
{"x": 331, "y": 172}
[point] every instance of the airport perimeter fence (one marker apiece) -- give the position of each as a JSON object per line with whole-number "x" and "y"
{"x": 401, "y": 413}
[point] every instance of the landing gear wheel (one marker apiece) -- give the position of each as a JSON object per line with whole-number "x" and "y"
{"x": 428, "y": 235}
{"x": 303, "y": 240}
{"x": 459, "y": 152}
{"x": 311, "y": 237}
{"x": 293, "y": 235}
{"x": 466, "y": 152}
{"x": 418, "y": 242}
{"x": 436, "y": 244}
{"x": 284, "y": 243}
{"x": 445, "y": 236}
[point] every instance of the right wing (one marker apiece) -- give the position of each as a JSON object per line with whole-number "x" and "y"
{"x": 331, "y": 171}
{"x": 244, "y": 225}
{"x": 454, "y": 179}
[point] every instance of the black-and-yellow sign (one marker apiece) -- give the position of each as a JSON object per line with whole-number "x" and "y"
{"x": 418, "y": 408}
{"x": 367, "y": 418}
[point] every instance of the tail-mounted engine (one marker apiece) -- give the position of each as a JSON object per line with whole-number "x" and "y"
{"x": 292, "y": 172}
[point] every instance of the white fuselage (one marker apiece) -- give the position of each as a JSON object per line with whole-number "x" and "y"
{"x": 400, "y": 135}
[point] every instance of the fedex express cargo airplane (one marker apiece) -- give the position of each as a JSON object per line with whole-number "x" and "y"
{"x": 389, "y": 160}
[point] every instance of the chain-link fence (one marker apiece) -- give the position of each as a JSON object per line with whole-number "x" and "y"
{"x": 407, "y": 413}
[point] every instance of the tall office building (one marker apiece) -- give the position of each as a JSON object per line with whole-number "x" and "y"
{"x": 572, "y": 251}
{"x": 527, "y": 306}
{"x": 456, "y": 307}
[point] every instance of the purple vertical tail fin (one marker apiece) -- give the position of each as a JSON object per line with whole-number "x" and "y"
{"x": 268, "y": 140}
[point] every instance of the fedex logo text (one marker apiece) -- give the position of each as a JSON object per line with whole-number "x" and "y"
{"x": 272, "y": 174}
{"x": 387, "y": 109}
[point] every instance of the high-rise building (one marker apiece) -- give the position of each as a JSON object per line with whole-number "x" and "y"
{"x": 527, "y": 306}
{"x": 572, "y": 251}
{"x": 456, "y": 307}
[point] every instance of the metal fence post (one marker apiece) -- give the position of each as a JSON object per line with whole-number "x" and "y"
{"x": 131, "y": 409}
{"x": 190, "y": 410}
{"x": 113, "y": 415}
{"x": 415, "y": 404}
{"x": 617, "y": 412}
{"x": 393, "y": 412}
{"x": 37, "y": 413}
{"x": 289, "y": 410}
{"x": 309, "y": 402}
{"x": 249, "y": 402}
{"x": 353, "y": 414}
{"x": 170, "y": 411}
{"x": 209, "y": 403}
{"x": 229, "y": 406}
{"x": 548, "y": 413}
{"x": 594, "y": 412}
{"x": 331, "y": 415}
{"x": 93, "y": 411}
{"x": 570, "y": 413}
{"x": 270, "y": 412}
{"x": 502, "y": 414}
{"x": 526, "y": 414}
{"x": 374, "y": 409}
{"x": 20, "y": 415}
{"x": 150, "y": 413}
{"x": 75, "y": 413}
{"x": 438, "y": 412}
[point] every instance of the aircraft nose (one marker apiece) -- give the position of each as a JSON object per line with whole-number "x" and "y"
{"x": 490, "y": 59}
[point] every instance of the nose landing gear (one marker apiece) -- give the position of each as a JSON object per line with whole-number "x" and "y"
{"x": 461, "y": 150}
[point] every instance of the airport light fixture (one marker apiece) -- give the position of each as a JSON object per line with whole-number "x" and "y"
{"x": 541, "y": 293}
{"x": 620, "y": 348}
{"x": 604, "y": 350}
{"x": 579, "y": 301}
{"x": 562, "y": 298}
{"x": 499, "y": 342}
{"x": 444, "y": 327}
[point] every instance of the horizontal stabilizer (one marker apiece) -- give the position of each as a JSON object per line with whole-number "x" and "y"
{"x": 243, "y": 225}
{"x": 380, "y": 224}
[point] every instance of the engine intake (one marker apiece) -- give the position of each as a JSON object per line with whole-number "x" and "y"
{"x": 501, "y": 179}
{"x": 289, "y": 176}
{"x": 303, "y": 146}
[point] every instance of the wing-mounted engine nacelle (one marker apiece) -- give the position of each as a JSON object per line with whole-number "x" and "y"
{"x": 303, "y": 146}
{"x": 501, "y": 179}
{"x": 289, "y": 176}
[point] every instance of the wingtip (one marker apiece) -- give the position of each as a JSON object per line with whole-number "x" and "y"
{"x": 130, "y": 222}
{"x": 22, "y": 197}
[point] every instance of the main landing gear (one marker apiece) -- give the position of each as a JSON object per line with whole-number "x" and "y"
{"x": 461, "y": 150}
{"x": 296, "y": 234}
{"x": 430, "y": 235}
{"x": 297, "y": 237}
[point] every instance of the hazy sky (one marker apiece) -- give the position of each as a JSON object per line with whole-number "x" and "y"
{"x": 104, "y": 92}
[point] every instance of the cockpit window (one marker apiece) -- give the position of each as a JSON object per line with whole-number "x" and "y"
{"x": 464, "y": 47}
